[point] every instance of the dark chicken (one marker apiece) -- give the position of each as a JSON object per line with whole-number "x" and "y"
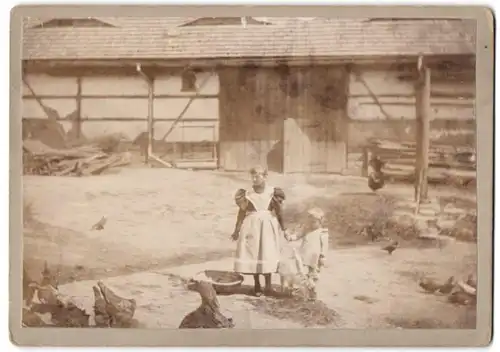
{"x": 70, "y": 316}
{"x": 48, "y": 277}
{"x": 101, "y": 317}
{"x": 391, "y": 247}
{"x": 32, "y": 319}
{"x": 63, "y": 311}
{"x": 448, "y": 286}
{"x": 471, "y": 281}
{"x": 208, "y": 314}
{"x": 100, "y": 224}
{"x": 47, "y": 290}
{"x": 376, "y": 177}
{"x": 28, "y": 290}
{"x": 461, "y": 298}
{"x": 429, "y": 285}
{"x": 120, "y": 310}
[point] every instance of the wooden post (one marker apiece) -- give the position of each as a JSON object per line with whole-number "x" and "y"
{"x": 78, "y": 107}
{"x": 149, "y": 151}
{"x": 423, "y": 111}
{"x": 150, "y": 130}
{"x": 364, "y": 167}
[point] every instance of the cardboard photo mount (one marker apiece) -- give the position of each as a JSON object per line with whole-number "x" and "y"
{"x": 481, "y": 336}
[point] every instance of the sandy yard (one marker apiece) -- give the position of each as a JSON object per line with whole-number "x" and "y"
{"x": 164, "y": 222}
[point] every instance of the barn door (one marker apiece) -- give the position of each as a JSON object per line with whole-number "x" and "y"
{"x": 251, "y": 121}
{"x": 314, "y": 140}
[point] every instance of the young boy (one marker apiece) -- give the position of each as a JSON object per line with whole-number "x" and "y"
{"x": 314, "y": 246}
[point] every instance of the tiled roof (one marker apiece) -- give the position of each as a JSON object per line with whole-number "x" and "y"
{"x": 156, "y": 38}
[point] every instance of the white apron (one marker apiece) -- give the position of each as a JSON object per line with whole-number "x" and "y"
{"x": 258, "y": 247}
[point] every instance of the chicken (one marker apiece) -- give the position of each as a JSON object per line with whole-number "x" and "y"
{"x": 471, "y": 281}
{"x": 28, "y": 290}
{"x": 208, "y": 314}
{"x": 448, "y": 286}
{"x": 70, "y": 316}
{"x": 32, "y": 319}
{"x": 376, "y": 178}
{"x": 464, "y": 287}
{"x": 121, "y": 310}
{"x": 101, "y": 317}
{"x": 46, "y": 294}
{"x": 462, "y": 298}
{"x": 375, "y": 181}
{"x": 63, "y": 311}
{"x": 100, "y": 224}
{"x": 391, "y": 247}
{"x": 429, "y": 285}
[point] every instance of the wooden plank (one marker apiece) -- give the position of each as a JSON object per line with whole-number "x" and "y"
{"x": 151, "y": 117}
{"x": 196, "y": 164}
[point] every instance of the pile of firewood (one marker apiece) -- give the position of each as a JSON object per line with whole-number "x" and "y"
{"x": 446, "y": 163}
{"x": 40, "y": 159}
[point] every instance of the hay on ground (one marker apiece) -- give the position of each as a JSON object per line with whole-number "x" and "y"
{"x": 307, "y": 313}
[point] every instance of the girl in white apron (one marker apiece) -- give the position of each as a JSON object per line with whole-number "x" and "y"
{"x": 259, "y": 230}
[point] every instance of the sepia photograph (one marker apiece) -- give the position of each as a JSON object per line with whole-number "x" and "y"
{"x": 251, "y": 172}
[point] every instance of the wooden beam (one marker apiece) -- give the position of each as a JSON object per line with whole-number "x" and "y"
{"x": 423, "y": 111}
{"x": 150, "y": 83}
{"x": 110, "y": 97}
{"x": 131, "y": 119}
{"x": 79, "y": 107}
{"x": 467, "y": 57}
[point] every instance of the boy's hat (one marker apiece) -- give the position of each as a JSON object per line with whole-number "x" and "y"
{"x": 316, "y": 213}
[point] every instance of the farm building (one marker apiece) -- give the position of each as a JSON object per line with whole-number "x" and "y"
{"x": 297, "y": 96}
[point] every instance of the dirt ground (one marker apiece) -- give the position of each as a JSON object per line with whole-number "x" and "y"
{"x": 160, "y": 219}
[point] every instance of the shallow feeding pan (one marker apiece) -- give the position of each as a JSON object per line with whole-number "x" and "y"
{"x": 220, "y": 279}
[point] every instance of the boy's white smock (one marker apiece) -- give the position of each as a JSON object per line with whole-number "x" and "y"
{"x": 314, "y": 246}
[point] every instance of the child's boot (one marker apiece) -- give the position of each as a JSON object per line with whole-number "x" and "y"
{"x": 257, "y": 287}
